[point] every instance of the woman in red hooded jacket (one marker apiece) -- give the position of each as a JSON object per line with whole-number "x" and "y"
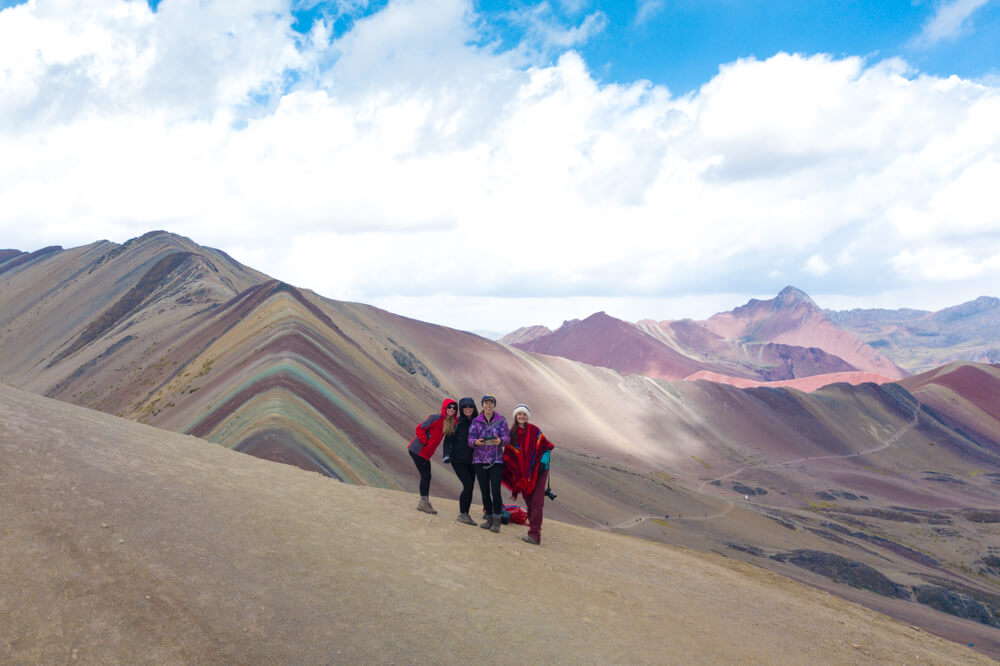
{"x": 422, "y": 447}
{"x": 526, "y": 468}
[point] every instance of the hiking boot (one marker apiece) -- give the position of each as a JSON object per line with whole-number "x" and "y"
{"x": 465, "y": 518}
{"x": 496, "y": 524}
{"x": 425, "y": 506}
{"x": 488, "y": 523}
{"x": 532, "y": 540}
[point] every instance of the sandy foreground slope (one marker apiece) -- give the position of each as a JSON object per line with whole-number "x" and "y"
{"x": 122, "y": 543}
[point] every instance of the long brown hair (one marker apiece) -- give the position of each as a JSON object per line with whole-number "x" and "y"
{"x": 449, "y": 424}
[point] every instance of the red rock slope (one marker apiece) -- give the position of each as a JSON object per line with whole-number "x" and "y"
{"x": 806, "y": 384}
{"x": 792, "y": 318}
{"x": 763, "y": 341}
{"x": 612, "y": 343}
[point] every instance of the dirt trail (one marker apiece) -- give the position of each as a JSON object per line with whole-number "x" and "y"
{"x": 730, "y": 504}
{"x": 126, "y": 544}
{"x": 890, "y": 441}
{"x": 638, "y": 520}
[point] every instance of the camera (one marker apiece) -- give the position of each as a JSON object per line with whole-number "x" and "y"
{"x": 550, "y": 494}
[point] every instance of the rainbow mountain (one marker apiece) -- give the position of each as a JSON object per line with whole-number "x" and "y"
{"x": 902, "y": 477}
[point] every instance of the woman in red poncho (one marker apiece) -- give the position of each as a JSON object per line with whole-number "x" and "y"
{"x": 526, "y": 468}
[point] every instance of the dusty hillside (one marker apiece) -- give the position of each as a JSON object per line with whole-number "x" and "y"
{"x": 63, "y": 309}
{"x": 127, "y": 544}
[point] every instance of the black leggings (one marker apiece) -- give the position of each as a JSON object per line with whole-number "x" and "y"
{"x": 489, "y": 486}
{"x": 468, "y": 478}
{"x": 424, "y": 467}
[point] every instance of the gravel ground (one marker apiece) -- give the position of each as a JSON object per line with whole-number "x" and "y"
{"x": 121, "y": 543}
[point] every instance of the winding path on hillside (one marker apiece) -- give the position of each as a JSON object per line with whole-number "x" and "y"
{"x": 632, "y": 522}
{"x": 881, "y": 447}
{"x": 599, "y": 525}
{"x": 890, "y": 441}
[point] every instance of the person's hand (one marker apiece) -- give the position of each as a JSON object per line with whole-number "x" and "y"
{"x": 478, "y": 442}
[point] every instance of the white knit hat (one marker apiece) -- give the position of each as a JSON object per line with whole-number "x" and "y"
{"x": 522, "y": 408}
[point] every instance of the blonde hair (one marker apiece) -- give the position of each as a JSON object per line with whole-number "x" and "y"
{"x": 449, "y": 425}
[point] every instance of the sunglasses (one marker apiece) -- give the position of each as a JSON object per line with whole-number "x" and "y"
{"x": 451, "y": 408}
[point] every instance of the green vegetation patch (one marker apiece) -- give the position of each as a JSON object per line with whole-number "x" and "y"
{"x": 707, "y": 466}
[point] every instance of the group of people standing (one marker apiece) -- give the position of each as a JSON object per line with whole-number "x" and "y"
{"x": 482, "y": 446}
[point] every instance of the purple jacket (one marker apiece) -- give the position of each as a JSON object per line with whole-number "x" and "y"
{"x": 482, "y": 430}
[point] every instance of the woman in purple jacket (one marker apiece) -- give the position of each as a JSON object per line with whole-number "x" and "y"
{"x": 488, "y": 434}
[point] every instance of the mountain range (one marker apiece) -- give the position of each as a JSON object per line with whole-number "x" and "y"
{"x": 921, "y": 340}
{"x": 784, "y": 341}
{"x": 886, "y": 493}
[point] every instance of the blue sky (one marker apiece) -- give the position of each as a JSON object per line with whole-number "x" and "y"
{"x": 652, "y": 159}
{"x": 681, "y": 43}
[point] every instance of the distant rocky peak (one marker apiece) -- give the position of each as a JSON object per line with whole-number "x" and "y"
{"x": 599, "y": 321}
{"x": 161, "y": 236}
{"x": 987, "y": 302}
{"x": 157, "y": 233}
{"x": 791, "y": 296}
{"x": 524, "y": 335}
{"x": 983, "y": 306}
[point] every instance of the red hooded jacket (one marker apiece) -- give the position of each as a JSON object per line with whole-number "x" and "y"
{"x": 431, "y": 432}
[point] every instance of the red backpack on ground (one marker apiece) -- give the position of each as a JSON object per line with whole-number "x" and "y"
{"x": 515, "y": 514}
{"x": 512, "y": 513}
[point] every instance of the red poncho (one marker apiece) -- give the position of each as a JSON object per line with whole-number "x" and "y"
{"x": 522, "y": 459}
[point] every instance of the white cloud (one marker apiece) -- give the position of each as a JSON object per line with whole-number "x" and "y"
{"x": 574, "y": 6}
{"x": 410, "y": 163}
{"x": 949, "y": 21}
{"x": 65, "y": 58}
{"x": 948, "y": 264}
{"x": 545, "y": 31}
{"x": 647, "y": 9}
{"x": 817, "y": 266}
